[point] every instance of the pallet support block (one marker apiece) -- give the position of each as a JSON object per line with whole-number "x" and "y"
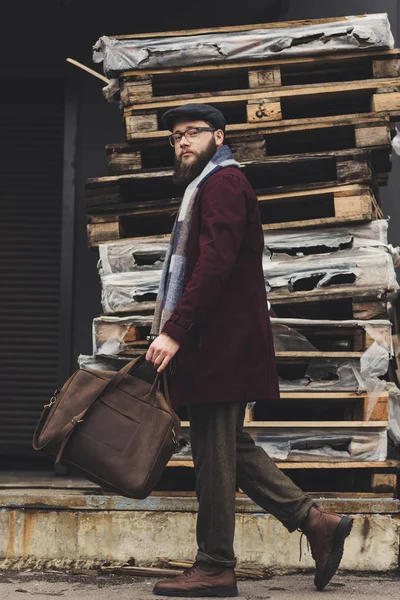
{"x": 366, "y": 137}
{"x": 267, "y": 109}
{"x": 353, "y": 170}
{"x": 353, "y": 207}
{"x": 386, "y": 68}
{"x": 265, "y": 77}
{"x": 389, "y": 101}
{"x": 136, "y": 89}
{"x": 383, "y": 482}
{"x": 103, "y": 232}
{"x": 142, "y": 121}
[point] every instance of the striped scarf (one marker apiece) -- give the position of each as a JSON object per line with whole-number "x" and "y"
{"x": 173, "y": 273}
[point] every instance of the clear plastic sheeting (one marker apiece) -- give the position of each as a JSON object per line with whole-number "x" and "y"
{"x": 374, "y": 364}
{"x": 130, "y": 255}
{"x": 316, "y": 444}
{"x": 345, "y": 444}
{"x": 304, "y": 241}
{"x": 343, "y": 35}
{"x": 111, "y": 335}
{"x": 358, "y": 267}
{"x": 378, "y": 330}
{"x": 125, "y": 291}
{"x": 394, "y": 412}
{"x": 325, "y": 374}
{"x": 127, "y": 256}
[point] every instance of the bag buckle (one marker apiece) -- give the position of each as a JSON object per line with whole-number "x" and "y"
{"x": 52, "y": 399}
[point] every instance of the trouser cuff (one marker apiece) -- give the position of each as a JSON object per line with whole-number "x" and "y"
{"x": 297, "y": 521}
{"x": 203, "y": 558}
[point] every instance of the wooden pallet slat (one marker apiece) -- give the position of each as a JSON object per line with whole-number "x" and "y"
{"x": 148, "y": 84}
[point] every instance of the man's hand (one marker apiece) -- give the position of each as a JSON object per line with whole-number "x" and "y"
{"x": 161, "y": 351}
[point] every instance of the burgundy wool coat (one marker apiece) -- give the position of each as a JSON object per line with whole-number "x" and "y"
{"x": 222, "y": 320}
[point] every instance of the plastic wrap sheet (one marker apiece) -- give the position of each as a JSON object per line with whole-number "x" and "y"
{"x": 129, "y": 255}
{"x": 126, "y": 256}
{"x": 309, "y": 241}
{"x": 360, "y": 267}
{"x": 394, "y": 412}
{"x": 123, "y": 291}
{"x": 305, "y": 444}
{"x": 346, "y": 34}
{"x": 101, "y": 363}
{"x": 110, "y": 333}
{"x": 287, "y": 337}
{"x": 325, "y": 374}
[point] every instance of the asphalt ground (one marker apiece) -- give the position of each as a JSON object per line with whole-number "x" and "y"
{"x": 42, "y": 586}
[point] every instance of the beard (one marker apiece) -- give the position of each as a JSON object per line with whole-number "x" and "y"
{"x": 185, "y": 172}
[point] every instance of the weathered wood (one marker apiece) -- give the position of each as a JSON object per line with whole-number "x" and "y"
{"x": 372, "y": 136}
{"x": 386, "y": 102}
{"x": 265, "y": 77}
{"x": 349, "y": 170}
{"x": 353, "y": 207}
{"x": 380, "y": 412}
{"x": 135, "y": 89}
{"x": 102, "y": 232}
{"x": 263, "y": 110}
{"x": 370, "y": 310}
{"x": 232, "y": 28}
{"x": 309, "y": 424}
{"x": 383, "y": 482}
{"x": 276, "y": 126}
{"x": 294, "y": 91}
{"x": 386, "y": 68}
{"x": 142, "y": 122}
{"x": 311, "y": 465}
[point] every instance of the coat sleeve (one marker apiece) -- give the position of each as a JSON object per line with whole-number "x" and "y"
{"x": 223, "y": 219}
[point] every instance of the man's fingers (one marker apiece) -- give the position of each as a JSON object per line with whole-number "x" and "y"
{"x": 163, "y": 364}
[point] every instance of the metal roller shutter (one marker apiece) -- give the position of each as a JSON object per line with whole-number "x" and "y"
{"x": 31, "y": 142}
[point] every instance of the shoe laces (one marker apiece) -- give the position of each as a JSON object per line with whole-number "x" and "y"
{"x": 190, "y": 570}
{"x": 301, "y": 544}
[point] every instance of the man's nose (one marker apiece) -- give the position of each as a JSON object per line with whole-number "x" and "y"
{"x": 184, "y": 142}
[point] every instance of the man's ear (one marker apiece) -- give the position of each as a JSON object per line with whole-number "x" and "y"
{"x": 219, "y": 137}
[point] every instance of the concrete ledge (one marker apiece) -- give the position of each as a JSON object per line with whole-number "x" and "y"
{"x": 82, "y": 524}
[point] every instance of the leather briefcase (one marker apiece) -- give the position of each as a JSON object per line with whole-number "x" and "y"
{"x": 117, "y": 429}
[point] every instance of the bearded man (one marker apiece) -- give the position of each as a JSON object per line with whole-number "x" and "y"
{"x": 212, "y": 321}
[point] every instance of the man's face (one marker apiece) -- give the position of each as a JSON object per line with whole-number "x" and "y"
{"x": 193, "y": 153}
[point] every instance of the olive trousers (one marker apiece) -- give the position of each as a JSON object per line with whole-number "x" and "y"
{"x": 225, "y": 457}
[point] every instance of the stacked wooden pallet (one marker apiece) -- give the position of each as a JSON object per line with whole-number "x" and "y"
{"x": 312, "y": 134}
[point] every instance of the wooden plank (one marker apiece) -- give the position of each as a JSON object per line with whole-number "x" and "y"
{"x": 290, "y": 355}
{"x": 264, "y": 110}
{"x": 383, "y": 482}
{"x": 386, "y": 102}
{"x": 328, "y": 395}
{"x": 380, "y": 412}
{"x": 233, "y": 28}
{"x": 352, "y": 207}
{"x": 372, "y": 136}
{"x": 386, "y": 68}
{"x": 275, "y": 126}
{"x": 310, "y": 424}
{"x": 311, "y": 465}
{"x": 264, "y": 77}
{"x": 296, "y": 91}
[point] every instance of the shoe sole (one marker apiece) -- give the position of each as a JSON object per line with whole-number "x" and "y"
{"x": 221, "y": 592}
{"x": 343, "y": 531}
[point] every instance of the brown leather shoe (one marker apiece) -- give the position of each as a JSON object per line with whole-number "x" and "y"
{"x": 326, "y": 533}
{"x": 200, "y": 581}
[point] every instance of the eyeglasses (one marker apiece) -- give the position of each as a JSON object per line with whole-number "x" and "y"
{"x": 190, "y": 134}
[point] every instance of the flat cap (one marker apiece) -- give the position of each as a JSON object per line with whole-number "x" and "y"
{"x": 202, "y": 112}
